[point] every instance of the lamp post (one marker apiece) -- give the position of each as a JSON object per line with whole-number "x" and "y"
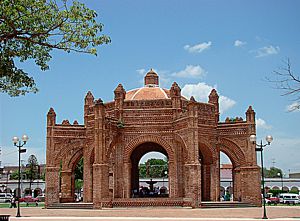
{"x": 281, "y": 176}
{"x": 165, "y": 173}
{"x": 259, "y": 148}
{"x": 18, "y": 144}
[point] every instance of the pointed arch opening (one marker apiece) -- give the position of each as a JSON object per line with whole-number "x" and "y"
{"x": 206, "y": 159}
{"x": 226, "y": 178}
{"x": 149, "y": 171}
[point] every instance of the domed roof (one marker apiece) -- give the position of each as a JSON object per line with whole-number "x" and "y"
{"x": 147, "y": 93}
{"x": 150, "y": 91}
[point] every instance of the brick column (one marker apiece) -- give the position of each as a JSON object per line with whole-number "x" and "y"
{"x": 194, "y": 184}
{"x": 236, "y": 177}
{"x": 251, "y": 185}
{"x": 127, "y": 180}
{"x": 66, "y": 186}
{"x": 87, "y": 181}
{"x": 52, "y": 185}
{"x": 215, "y": 181}
{"x": 100, "y": 184}
{"x": 118, "y": 172}
{"x": 172, "y": 176}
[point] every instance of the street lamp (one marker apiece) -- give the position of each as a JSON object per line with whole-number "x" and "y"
{"x": 259, "y": 148}
{"x": 165, "y": 173}
{"x": 18, "y": 144}
{"x": 281, "y": 176}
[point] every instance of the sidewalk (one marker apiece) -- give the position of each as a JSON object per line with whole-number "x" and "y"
{"x": 153, "y": 214}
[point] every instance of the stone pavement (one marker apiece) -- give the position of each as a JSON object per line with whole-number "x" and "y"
{"x": 153, "y": 214}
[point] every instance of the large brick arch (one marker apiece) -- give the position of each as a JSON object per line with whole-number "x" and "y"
{"x": 66, "y": 148}
{"x": 181, "y": 141}
{"x": 233, "y": 151}
{"x": 145, "y": 139}
{"x": 208, "y": 151}
{"x": 72, "y": 160}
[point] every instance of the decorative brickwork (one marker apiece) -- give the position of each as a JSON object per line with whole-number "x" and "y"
{"x": 115, "y": 135}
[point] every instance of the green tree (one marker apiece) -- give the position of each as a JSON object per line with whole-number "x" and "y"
{"x": 32, "y": 171}
{"x": 14, "y": 175}
{"x": 31, "y": 29}
{"x": 79, "y": 169}
{"x": 272, "y": 172}
{"x": 79, "y": 176}
{"x": 153, "y": 168}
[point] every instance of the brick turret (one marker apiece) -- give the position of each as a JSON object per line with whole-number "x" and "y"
{"x": 51, "y": 117}
{"x": 214, "y": 99}
{"x": 151, "y": 79}
{"x": 120, "y": 94}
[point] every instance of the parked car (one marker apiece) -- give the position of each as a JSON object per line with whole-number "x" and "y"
{"x": 5, "y": 197}
{"x": 29, "y": 199}
{"x": 288, "y": 198}
{"x": 272, "y": 200}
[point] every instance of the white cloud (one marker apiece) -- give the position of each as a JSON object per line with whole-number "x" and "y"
{"x": 239, "y": 43}
{"x": 201, "y": 92}
{"x": 190, "y": 71}
{"x": 261, "y": 124}
{"x": 198, "y": 48}
{"x": 266, "y": 51}
{"x": 141, "y": 71}
{"x": 293, "y": 107}
{"x": 225, "y": 103}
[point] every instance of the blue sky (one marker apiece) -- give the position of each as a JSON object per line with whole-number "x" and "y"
{"x": 230, "y": 45}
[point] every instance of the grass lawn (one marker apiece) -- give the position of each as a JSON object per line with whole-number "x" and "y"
{"x": 7, "y": 205}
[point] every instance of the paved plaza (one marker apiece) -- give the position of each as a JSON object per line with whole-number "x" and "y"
{"x": 163, "y": 214}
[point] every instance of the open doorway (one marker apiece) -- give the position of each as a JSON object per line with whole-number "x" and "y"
{"x": 226, "y": 178}
{"x": 149, "y": 171}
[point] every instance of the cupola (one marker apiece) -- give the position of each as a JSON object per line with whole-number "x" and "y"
{"x": 151, "y": 79}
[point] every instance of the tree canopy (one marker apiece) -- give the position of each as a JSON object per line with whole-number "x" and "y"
{"x": 153, "y": 168}
{"x": 31, "y": 29}
{"x": 79, "y": 169}
{"x": 32, "y": 171}
{"x": 273, "y": 172}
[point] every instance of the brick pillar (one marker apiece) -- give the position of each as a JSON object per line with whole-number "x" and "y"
{"x": 172, "y": 176}
{"x": 100, "y": 166}
{"x": 127, "y": 180}
{"x": 52, "y": 171}
{"x": 52, "y": 185}
{"x": 193, "y": 186}
{"x": 251, "y": 185}
{"x": 215, "y": 180}
{"x": 236, "y": 177}
{"x": 193, "y": 167}
{"x": 87, "y": 180}
{"x": 118, "y": 172}
{"x": 206, "y": 182}
{"x": 100, "y": 184}
{"x": 66, "y": 187}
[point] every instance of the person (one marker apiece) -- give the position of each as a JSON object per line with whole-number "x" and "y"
{"x": 13, "y": 203}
